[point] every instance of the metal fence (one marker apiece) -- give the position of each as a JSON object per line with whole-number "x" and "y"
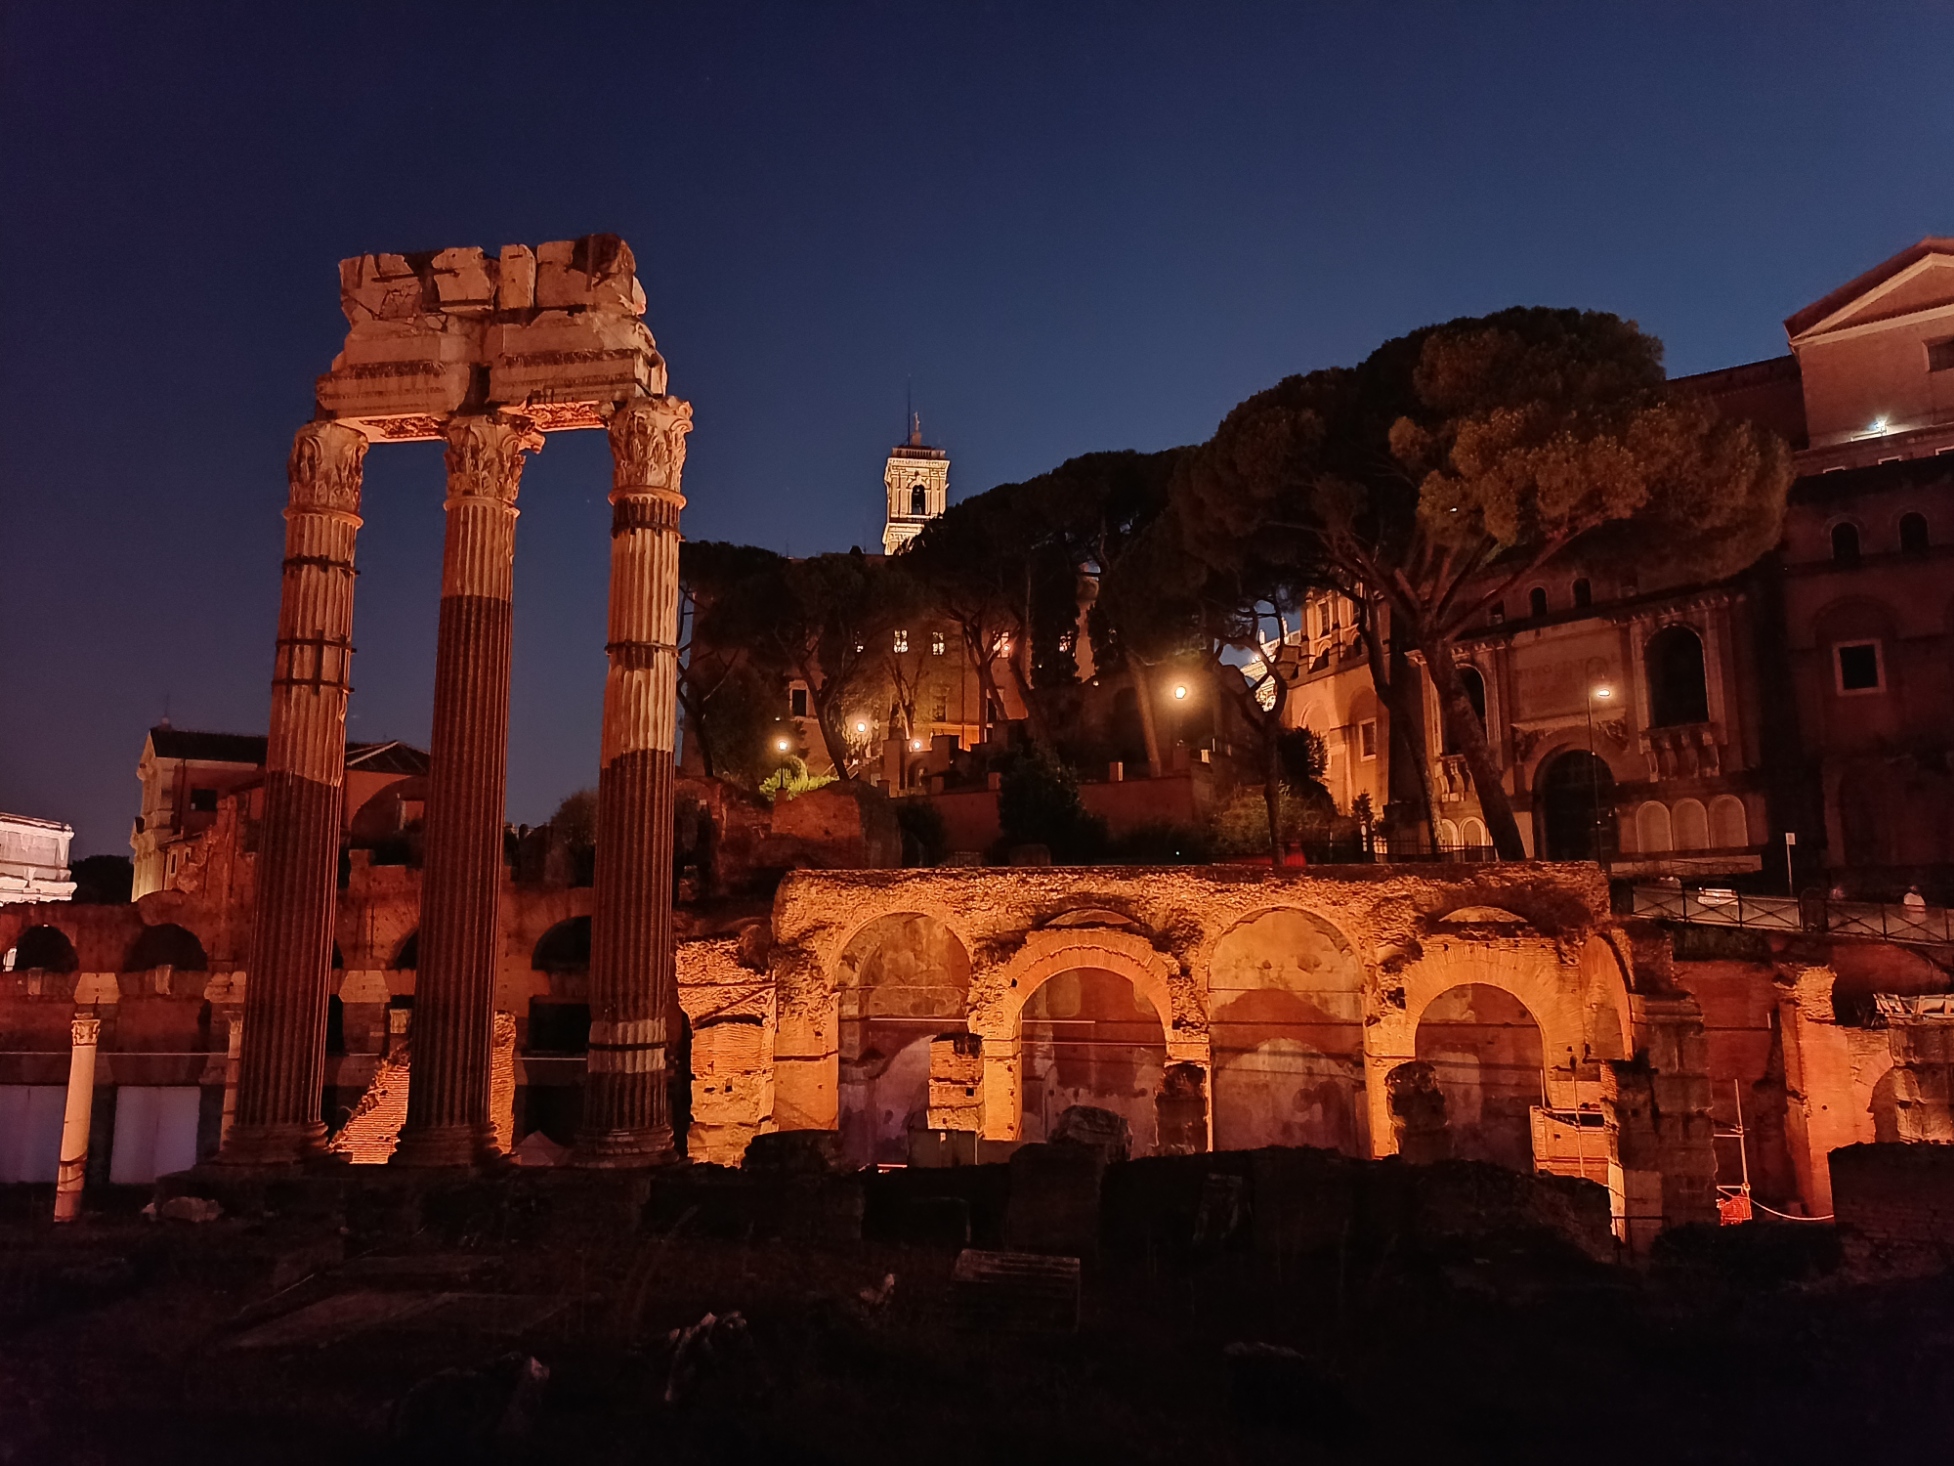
{"x": 1889, "y": 922}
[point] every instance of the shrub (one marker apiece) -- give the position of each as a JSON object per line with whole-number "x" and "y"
{"x": 1038, "y": 804}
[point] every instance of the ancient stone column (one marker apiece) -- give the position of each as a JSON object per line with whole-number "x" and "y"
{"x": 281, "y": 1071}
{"x": 626, "y": 1119}
{"x": 448, "y": 1120}
{"x": 85, "y": 1033}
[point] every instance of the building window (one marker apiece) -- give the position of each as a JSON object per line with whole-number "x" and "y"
{"x": 203, "y": 801}
{"x": 1845, "y": 543}
{"x": 1940, "y": 355}
{"x": 1583, "y": 593}
{"x": 1860, "y": 666}
{"x": 1537, "y": 601}
{"x": 1499, "y": 613}
{"x": 1913, "y": 534}
{"x": 1367, "y": 738}
{"x": 1678, "y": 692}
{"x": 918, "y": 502}
{"x": 936, "y": 643}
{"x": 797, "y": 702}
{"x": 902, "y": 640}
{"x": 940, "y": 708}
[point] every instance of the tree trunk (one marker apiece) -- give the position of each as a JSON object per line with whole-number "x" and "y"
{"x": 1143, "y": 696}
{"x": 1396, "y": 690}
{"x": 696, "y": 722}
{"x": 1272, "y": 791}
{"x": 1462, "y": 727}
{"x": 833, "y": 740}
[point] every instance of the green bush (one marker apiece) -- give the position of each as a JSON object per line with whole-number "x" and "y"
{"x": 1038, "y": 804}
{"x": 792, "y": 778}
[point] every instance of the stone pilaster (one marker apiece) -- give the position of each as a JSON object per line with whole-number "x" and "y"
{"x": 633, "y": 992}
{"x": 448, "y": 1118}
{"x": 281, "y": 1070}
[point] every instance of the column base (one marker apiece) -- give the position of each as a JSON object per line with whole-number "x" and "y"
{"x": 272, "y": 1145}
{"x": 452, "y": 1146}
{"x": 625, "y": 1149}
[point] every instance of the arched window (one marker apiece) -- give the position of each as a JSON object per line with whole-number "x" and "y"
{"x": 1692, "y": 825}
{"x": 1845, "y": 543}
{"x": 1583, "y": 593}
{"x": 1913, "y": 534}
{"x": 1537, "y": 601}
{"x": 918, "y": 502}
{"x": 168, "y": 945}
{"x": 1652, "y": 828}
{"x": 1678, "y": 693}
{"x": 1475, "y": 691}
{"x": 1729, "y": 825}
{"x": 45, "y": 949}
{"x": 565, "y": 947}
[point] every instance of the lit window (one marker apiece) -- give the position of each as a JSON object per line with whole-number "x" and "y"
{"x": 902, "y": 641}
{"x": 936, "y": 643}
{"x": 1367, "y": 738}
{"x": 1860, "y": 666}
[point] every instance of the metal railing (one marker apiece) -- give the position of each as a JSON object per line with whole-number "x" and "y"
{"x": 1882, "y": 921}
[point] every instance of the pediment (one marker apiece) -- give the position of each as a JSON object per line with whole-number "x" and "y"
{"x": 1915, "y": 280}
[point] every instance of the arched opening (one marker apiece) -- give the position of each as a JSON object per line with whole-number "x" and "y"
{"x": 407, "y": 956}
{"x": 1576, "y": 795}
{"x": 1845, "y": 543}
{"x": 1678, "y": 693}
{"x": 1475, "y": 838}
{"x": 1692, "y": 825}
{"x": 1537, "y": 601}
{"x": 1913, "y": 534}
{"x": 1583, "y": 594}
{"x": 1474, "y": 687}
{"x": 1729, "y": 824}
{"x": 902, "y": 980}
{"x": 1485, "y": 1050}
{"x": 1652, "y": 834}
{"x": 1286, "y": 1021}
{"x": 1089, "y": 1037}
{"x": 918, "y": 502}
{"x": 168, "y": 945}
{"x": 564, "y": 948}
{"x": 45, "y": 949}
{"x": 389, "y": 823}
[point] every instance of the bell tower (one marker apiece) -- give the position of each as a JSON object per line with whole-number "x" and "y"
{"x": 917, "y": 478}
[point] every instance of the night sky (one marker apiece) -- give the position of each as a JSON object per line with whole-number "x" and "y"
{"x": 1063, "y": 227}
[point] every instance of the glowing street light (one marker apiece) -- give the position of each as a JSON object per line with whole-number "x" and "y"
{"x": 1180, "y": 692}
{"x": 915, "y": 745}
{"x": 861, "y": 727}
{"x": 781, "y": 744}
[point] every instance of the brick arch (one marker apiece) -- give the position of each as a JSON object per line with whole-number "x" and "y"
{"x": 829, "y": 950}
{"x": 1202, "y": 959}
{"x": 1050, "y": 951}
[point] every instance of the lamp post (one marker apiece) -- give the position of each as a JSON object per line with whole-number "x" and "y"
{"x": 1604, "y": 692}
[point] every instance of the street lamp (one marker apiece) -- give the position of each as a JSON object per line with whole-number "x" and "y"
{"x": 1603, "y": 692}
{"x": 1180, "y": 692}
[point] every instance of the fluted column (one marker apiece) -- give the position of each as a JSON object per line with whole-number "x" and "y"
{"x": 626, "y": 1115}
{"x": 85, "y": 1033}
{"x": 281, "y": 1070}
{"x": 448, "y": 1120}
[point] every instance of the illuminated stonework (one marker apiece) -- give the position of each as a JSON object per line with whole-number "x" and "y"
{"x": 917, "y": 480}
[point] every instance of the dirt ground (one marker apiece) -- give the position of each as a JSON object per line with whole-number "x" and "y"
{"x": 477, "y": 1337}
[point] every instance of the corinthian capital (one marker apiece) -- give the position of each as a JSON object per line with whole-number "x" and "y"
{"x": 648, "y": 445}
{"x": 485, "y": 455}
{"x": 326, "y": 466}
{"x": 85, "y": 1032}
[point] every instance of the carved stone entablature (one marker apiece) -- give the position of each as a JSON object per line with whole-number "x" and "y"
{"x": 1690, "y": 751}
{"x": 554, "y": 332}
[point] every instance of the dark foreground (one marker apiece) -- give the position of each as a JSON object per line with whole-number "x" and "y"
{"x": 488, "y": 1326}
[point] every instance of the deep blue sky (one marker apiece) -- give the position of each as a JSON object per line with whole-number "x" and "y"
{"x": 1072, "y": 226}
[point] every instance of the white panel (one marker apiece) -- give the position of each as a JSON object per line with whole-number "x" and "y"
{"x": 30, "y": 1131}
{"x": 176, "y": 1128}
{"x": 132, "y": 1156}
